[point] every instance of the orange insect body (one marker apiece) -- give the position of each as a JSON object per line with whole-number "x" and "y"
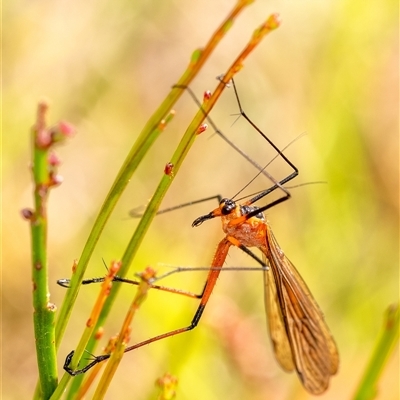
{"x": 299, "y": 334}
{"x": 250, "y": 232}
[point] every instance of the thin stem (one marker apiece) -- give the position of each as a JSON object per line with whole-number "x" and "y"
{"x": 95, "y": 370}
{"x": 44, "y": 310}
{"x": 124, "y": 334}
{"x": 385, "y": 346}
{"x": 90, "y": 324}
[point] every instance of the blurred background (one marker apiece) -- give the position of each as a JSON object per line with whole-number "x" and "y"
{"x": 330, "y": 71}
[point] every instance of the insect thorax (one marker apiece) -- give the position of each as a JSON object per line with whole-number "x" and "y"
{"x": 251, "y": 232}
{"x": 244, "y": 210}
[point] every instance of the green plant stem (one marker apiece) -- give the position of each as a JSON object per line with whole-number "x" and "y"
{"x": 91, "y": 323}
{"x": 177, "y": 159}
{"x": 43, "y": 316}
{"x": 145, "y": 140}
{"x": 385, "y": 346}
{"x": 124, "y": 334}
{"x": 98, "y": 306}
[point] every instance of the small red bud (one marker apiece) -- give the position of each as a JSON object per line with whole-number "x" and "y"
{"x": 61, "y": 131}
{"x": 99, "y": 333}
{"x": 27, "y": 214}
{"x": 53, "y": 159}
{"x": 74, "y": 265}
{"x": 66, "y": 128}
{"x": 201, "y": 129}
{"x": 207, "y": 95}
{"x": 169, "y": 169}
{"x": 43, "y": 139}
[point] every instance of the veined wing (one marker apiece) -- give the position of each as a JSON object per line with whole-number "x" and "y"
{"x": 313, "y": 348}
{"x": 277, "y": 331}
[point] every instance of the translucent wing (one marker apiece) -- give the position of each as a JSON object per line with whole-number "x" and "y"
{"x": 313, "y": 348}
{"x": 280, "y": 341}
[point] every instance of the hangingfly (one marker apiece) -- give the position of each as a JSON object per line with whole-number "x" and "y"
{"x": 299, "y": 334}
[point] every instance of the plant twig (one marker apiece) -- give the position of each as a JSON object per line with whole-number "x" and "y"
{"x": 124, "y": 334}
{"x": 385, "y": 345}
{"x": 95, "y": 370}
{"x": 91, "y": 322}
{"x": 44, "y": 168}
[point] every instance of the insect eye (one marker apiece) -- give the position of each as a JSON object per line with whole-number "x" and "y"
{"x": 227, "y": 206}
